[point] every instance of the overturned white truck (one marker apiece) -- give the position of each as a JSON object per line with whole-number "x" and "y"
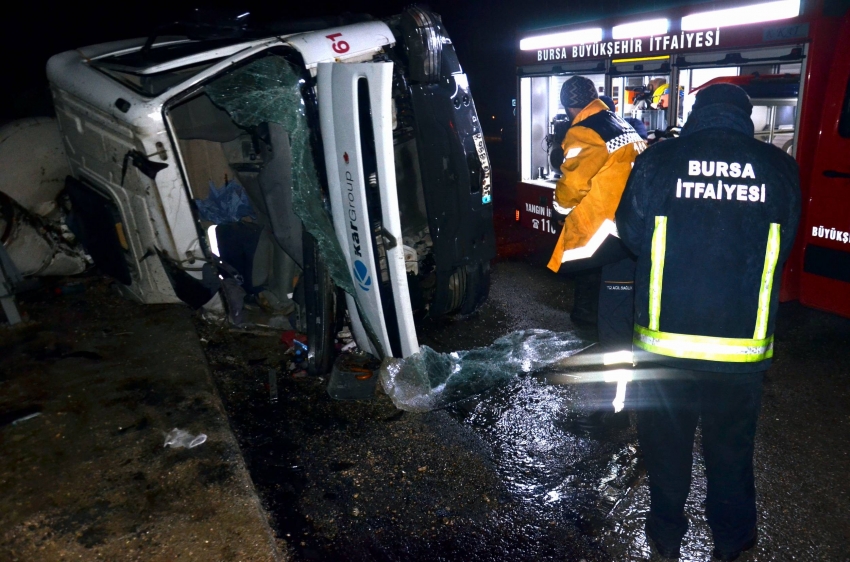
{"x": 293, "y": 165}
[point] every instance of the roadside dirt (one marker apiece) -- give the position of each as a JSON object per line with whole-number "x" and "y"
{"x": 88, "y": 477}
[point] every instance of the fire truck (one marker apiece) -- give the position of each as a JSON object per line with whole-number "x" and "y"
{"x": 792, "y": 58}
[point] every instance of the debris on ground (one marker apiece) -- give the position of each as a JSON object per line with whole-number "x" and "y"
{"x": 19, "y": 415}
{"x": 354, "y": 377}
{"x": 179, "y": 438}
{"x": 88, "y": 478}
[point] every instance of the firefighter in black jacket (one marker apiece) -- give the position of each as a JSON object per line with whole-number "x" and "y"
{"x": 712, "y": 217}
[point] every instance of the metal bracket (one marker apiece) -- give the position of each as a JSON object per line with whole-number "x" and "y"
{"x": 390, "y": 241}
{"x": 141, "y": 161}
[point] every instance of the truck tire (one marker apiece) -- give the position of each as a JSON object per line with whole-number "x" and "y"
{"x": 477, "y": 287}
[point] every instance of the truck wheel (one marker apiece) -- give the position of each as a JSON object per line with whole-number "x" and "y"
{"x": 477, "y": 287}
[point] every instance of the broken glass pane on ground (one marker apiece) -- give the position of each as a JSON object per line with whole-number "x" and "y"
{"x": 430, "y": 380}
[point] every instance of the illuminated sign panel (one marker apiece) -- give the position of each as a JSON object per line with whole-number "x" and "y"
{"x": 561, "y": 39}
{"x": 649, "y": 46}
{"x": 641, "y": 29}
{"x": 652, "y": 37}
{"x": 742, "y": 15}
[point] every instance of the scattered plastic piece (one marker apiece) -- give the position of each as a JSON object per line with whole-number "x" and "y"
{"x": 17, "y": 416}
{"x": 291, "y": 336}
{"x": 353, "y": 377}
{"x": 25, "y": 418}
{"x": 177, "y": 438}
{"x": 430, "y": 380}
{"x": 225, "y": 204}
{"x": 70, "y": 289}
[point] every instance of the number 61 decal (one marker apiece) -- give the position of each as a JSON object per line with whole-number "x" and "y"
{"x": 339, "y": 47}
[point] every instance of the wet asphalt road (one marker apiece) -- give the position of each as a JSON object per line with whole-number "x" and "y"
{"x": 507, "y": 475}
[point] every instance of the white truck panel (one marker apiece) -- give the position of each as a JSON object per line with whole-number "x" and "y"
{"x": 342, "y": 43}
{"x": 339, "y": 116}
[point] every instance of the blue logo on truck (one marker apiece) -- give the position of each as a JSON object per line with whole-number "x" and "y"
{"x": 361, "y": 275}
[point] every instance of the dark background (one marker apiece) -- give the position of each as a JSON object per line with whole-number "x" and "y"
{"x": 485, "y": 33}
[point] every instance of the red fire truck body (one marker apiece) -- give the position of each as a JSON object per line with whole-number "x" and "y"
{"x": 793, "y": 58}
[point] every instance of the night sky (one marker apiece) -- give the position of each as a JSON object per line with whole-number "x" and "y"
{"x": 485, "y": 34}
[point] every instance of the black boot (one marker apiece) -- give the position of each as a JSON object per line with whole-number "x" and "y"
{"x": 729, "y": 556}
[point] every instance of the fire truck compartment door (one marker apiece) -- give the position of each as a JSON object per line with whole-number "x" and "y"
{"x": 825, "y": 282}
{"x": 371, "y": 244}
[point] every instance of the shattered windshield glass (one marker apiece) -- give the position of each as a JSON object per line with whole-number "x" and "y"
{"x": 269, "y": 90}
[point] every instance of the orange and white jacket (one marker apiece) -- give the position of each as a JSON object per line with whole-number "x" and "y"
{"x": 599, "y": 152}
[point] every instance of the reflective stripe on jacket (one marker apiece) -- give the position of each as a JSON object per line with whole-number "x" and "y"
{"x": 599, "y": 151}
{"x": 686, "y": 346}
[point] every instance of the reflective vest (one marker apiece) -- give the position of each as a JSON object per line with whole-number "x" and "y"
{"x": 599, "y": 152}
{"x": 694, "y": 346}
{"x": 661, "y": 93}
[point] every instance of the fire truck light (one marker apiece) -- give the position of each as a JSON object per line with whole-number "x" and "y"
{"x": 754, "y": 13}
{"x": 591, "y": 35}
{"x": 641, "y": 29}
{"x": 640, "y": 59}
{"x": 517, "y": 214}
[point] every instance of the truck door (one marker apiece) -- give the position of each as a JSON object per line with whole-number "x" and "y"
{"x": 825, "y": 282}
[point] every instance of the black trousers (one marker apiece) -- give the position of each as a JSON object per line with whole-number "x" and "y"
{"x": 615, "y": 319}
{"x": 616, "y": 314}
{"x": 586, "y": 296}
{"x": 669, "y": 404}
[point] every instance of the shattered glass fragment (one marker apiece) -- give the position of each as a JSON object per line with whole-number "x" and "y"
{"x": 268, "y": 90}
{"x": 430, "y": 380}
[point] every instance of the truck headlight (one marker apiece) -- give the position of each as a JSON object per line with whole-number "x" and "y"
{"x": 423, "y": 39}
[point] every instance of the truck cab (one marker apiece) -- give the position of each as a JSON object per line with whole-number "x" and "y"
{"x": 293, "y": 172}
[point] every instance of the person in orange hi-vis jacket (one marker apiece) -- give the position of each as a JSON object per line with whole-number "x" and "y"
{"x": 599, "y": 152}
